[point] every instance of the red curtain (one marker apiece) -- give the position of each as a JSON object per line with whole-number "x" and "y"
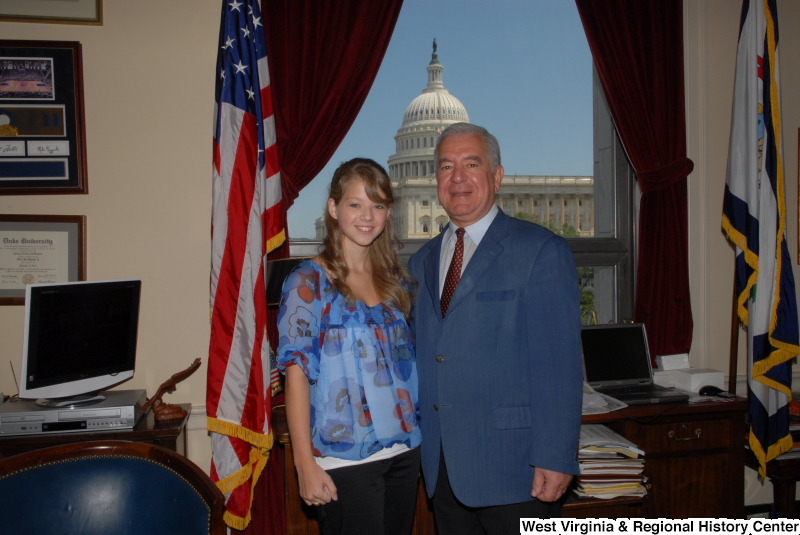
{"x": 323, "y": 58}
{"x": 638, "y": 52}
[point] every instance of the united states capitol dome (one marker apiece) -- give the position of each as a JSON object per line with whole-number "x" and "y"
{"x": 435, "y": 103}
{"x": 424, "y": 120}
{"x": 438, "y": 106}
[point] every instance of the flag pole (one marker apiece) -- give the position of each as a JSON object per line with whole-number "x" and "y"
{"x": 734, "y": 356}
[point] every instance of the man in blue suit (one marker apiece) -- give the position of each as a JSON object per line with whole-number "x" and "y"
{"x": 497, "y": 322}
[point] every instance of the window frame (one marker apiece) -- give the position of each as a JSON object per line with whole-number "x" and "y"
{"x": 619, "y": 250}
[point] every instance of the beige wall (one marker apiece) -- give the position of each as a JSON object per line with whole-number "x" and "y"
{"x": 149, "y": 93}
{"x": 148, "y": 80}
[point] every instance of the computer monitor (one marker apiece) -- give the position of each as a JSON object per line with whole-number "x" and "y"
{"x": 80, "y": 338}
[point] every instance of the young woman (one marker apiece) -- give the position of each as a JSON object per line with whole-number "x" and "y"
{"x": 351, "y": 376}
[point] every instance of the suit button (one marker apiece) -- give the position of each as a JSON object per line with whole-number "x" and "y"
{"x": 439, "y": 358}
{"x": 435, "y": 407}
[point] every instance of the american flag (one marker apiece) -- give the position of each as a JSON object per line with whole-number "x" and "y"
{"x": 246, "y": 223}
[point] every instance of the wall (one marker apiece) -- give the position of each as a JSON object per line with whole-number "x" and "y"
{"x": 711, "y": 32}
{"x": 149, "y": 93}
{"x": 149, "y": 83}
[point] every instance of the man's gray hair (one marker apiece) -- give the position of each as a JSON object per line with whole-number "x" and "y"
{"x": 458, "y": 129}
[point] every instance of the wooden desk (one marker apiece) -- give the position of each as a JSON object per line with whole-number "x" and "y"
{"x": 691, "y": 474}
{"x": 169, "y": 434}
{"x": 694, "y": 459}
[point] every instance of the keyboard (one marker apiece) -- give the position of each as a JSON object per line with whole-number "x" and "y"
{"x": 613, "y": 391}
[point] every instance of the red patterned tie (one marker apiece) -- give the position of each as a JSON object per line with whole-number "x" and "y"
{"x": 453, "y": 272}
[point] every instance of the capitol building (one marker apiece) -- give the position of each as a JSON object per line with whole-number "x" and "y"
{"x": 561, "y": 201}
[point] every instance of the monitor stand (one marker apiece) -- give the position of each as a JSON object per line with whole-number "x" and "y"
{"x": 72, "y": 401}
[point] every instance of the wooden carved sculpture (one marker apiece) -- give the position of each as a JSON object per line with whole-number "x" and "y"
{"x": 166, "y": 411}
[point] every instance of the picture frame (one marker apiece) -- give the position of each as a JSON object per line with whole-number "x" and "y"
{"x": 53, "y": 11}
{"x": 42, "y": 129}
{"x": 39, "y": 249}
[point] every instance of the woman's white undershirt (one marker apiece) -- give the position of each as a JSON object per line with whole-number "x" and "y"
{"x": 330, "y": 463}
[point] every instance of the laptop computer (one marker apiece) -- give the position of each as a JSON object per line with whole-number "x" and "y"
{"x": 616, "y": 362}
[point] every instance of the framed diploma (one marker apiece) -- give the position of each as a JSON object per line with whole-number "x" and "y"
{"x": 40, "y": 249}
{"x": 42, "y": 133}
{"x": 53, "y": 11}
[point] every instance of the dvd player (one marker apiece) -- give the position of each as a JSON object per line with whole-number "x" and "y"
{"x": 120, "y": 410}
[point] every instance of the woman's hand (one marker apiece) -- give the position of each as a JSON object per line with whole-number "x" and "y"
{"x": 316, "y": 486}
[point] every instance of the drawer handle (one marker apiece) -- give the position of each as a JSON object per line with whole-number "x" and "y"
{"x": 697, "y": 433}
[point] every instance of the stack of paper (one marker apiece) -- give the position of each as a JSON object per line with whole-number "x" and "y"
{"x": 610, "y": 465}
{"x": 597, "y": 403}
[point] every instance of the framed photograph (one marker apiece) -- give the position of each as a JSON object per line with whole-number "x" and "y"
{"x": 53, "y": 11}
{"x": 42, "y": 132}
{"x": 40, "y": 249}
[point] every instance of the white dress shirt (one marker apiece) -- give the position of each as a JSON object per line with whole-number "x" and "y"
{"x": 473, "y": 235}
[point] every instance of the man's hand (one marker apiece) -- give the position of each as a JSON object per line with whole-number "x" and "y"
{"x": 549, "y": 486}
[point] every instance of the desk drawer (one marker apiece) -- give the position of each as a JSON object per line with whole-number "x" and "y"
{"x": 693, "y": 435}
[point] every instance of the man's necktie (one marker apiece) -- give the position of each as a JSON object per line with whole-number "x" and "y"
{"x": 453, "y": 272}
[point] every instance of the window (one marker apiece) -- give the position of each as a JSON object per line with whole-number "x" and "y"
{"x": 603, "y": 242}
{"x": 598, "y": 220}
{"x": 606, "y": 259}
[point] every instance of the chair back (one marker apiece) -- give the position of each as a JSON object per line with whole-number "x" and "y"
{"x": 108, "y": 487}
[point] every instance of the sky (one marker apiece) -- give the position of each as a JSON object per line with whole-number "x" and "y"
{"x": 522, "y": 69}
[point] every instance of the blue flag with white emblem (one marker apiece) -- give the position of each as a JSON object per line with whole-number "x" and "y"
{"x": 754, "y": 220}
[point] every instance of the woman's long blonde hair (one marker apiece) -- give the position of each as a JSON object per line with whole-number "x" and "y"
{"x": 387, "y": 274}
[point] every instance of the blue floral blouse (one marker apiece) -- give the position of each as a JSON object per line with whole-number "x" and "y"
{"x": 360, "y": 362}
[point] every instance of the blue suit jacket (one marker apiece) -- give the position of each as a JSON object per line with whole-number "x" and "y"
{"x": 501, "y": 375}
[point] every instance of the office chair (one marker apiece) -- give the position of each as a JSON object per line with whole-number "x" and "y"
{"x": 107, "y": 487}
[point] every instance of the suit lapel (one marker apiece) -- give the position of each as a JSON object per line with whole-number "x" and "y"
{"x": 431, "y": 267}
{"x": 482, "y": 259}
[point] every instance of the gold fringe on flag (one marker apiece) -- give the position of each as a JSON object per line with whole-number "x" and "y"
{"x": 276, "y": 241}
{"x": 259, "y": 455}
